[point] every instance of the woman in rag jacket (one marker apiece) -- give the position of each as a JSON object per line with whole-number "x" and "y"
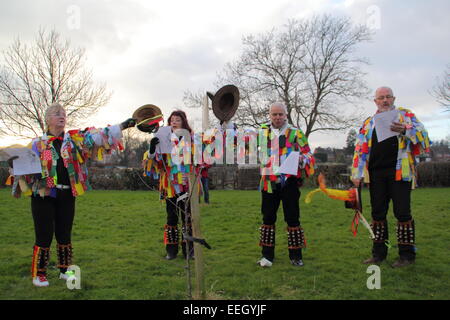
{"x": 173, "y": 184}
{"x": 63, "y": 156}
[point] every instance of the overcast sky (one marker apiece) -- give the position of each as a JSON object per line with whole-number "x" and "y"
{"x": 153, "y": 51}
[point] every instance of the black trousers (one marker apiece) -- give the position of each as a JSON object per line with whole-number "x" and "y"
{"x": 383, "y": 188}
{"x": 174, "y": 209}
{"x": 53, "y": 216}
{"x": 289, "y": 196}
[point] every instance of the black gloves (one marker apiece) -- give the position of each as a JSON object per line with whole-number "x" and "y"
{"x": 153, "y": 144}
{"x": 10, "y": 161}
{"x": 128, "y": 123}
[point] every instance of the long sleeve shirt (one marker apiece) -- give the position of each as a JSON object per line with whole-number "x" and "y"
{"x": 414, "y": 142}
{"x": 173, "y": 175}
{"x": 63, "y": 160}
{"x": 289, "y": 139}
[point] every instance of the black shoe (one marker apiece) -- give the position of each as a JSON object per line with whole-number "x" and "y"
{"x": 191, "y": 256}
{"x": 170, "y": 257}
{"x": 297, "y": 262}
{"x": 373, "y": 260}
{"x": 402, "y": 263}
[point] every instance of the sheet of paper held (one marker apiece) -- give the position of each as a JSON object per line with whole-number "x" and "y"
{"x": 290, "y": 165}
{"x": 165, "y": 143}
{"x": 27, "y": 163}
{"x": 383, "y": 122}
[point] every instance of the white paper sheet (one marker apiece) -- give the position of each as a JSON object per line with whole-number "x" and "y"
{"x": 290, "y": 165}
{"x": 164, "y": 135}
{"x": 27, "y": 163}
{"x": 383, "y": 122}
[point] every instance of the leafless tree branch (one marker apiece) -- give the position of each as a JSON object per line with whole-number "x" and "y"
{"x": 310, "y": 65}
{"x": 441, "y": 90}
{"x": 34, "y": 76}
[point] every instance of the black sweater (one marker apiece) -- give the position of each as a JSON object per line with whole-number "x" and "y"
{"x": 383, "y": 155}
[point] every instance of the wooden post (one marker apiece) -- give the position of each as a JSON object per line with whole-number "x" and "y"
{"x": 205, "y": 114}
{"x": 199, "y": 292}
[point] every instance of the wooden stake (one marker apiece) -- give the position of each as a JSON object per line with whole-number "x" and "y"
{"x": 199, "y": 292}
{"x": 205, "y": 114}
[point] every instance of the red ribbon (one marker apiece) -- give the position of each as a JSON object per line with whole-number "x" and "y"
{"x": 55, "y": 138}
{"x": 154, "y": 121}
{"x": 355, "y": 223}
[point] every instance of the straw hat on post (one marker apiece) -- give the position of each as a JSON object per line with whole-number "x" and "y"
{"x": 225, "y": 102}
{"x": 148, "y": 118}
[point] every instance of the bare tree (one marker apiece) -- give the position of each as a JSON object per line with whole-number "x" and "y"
{"x": 310, "y": 65}
{"x": 196, "y": 100}
{"x": 135, "y": 144}
{"x": 441, "y": 90}
{"x": 350, "y": 142}
{"x": 33, "y": 77}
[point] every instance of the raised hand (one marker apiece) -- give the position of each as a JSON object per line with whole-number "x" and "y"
{"x": 356, "y": 182}
{"x": 398, "y": 127}
{"x": 10, "y": 161}
{"x": 153, "y": 144}
{"x": 128, "y": 123}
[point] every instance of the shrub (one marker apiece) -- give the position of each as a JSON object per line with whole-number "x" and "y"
{"x": 4, "y": 174}
{"x": 430, "y": 174}
{"x": 120, "y": 179}
{"x": 433, "y": 174}
{"x": 336, "y": 174}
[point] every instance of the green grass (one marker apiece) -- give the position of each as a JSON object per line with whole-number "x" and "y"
{"x": 118, "y": 244}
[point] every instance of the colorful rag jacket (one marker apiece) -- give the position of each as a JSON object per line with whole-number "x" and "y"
{"x": 173, "y": 175}
{"x": 414, "y": 142}
{"x": 291, "y": 139}
{"x": 233, "y": 147}
{"x": 77, "y": 146}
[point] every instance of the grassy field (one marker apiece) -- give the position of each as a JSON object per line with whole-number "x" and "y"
{"x": 118, "y": 244}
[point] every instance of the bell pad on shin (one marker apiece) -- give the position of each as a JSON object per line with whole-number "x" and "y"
{"x": 65, "y": 253}
{"x": 380, "y": 230}
{"x": 296, "y": 237}
{"x": 170, "y": 234}
{"x": 41, "y": 258}
{"x": 267, "y": 235}
{"x": 186, "y": 230}
{"x": 406, "y": 232}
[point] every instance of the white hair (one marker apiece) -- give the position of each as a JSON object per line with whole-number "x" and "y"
{"x": 278, "y": 104}
{"x": 392, "y": 92}
{"x": 52, "y": 108}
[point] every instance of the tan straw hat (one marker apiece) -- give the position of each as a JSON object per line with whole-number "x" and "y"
{"x": 225, "y": 102}
{"x": 148, "y": 118}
